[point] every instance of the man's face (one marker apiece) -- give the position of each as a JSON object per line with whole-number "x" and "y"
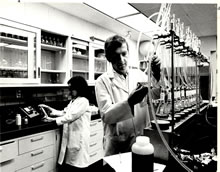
{"x": 119, "y": 59}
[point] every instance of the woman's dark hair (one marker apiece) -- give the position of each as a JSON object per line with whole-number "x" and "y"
{"x": 79, "y": 84}
{"x": 112, "y": 43}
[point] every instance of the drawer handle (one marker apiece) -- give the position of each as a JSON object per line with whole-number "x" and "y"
{"x": 93, "y": 154}
{"x": 37, "y": 166}
{"x": 37, "y": 153}
{"x": 37, "y": 139}
{"x": 93, "y": 144}
{"x": 91, "y": 135}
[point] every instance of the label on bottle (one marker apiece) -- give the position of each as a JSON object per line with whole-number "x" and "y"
{"x": 142, "y": 162}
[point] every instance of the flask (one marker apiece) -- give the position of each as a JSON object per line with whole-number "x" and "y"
{"x": 18, "y": 119}
{"x": 142, "y": 154}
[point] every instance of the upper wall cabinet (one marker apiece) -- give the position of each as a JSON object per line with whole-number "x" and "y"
{"x": 80, "y": 58}
{"x": 88, "y": 59}
{"x": 99, "y": 61}
{"x": 19, "y": 53}
{"x": 54, "y": 58}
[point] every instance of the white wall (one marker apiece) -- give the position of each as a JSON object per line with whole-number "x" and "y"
{"x": 45, "y": 17}
{"x": 208, "y": 44}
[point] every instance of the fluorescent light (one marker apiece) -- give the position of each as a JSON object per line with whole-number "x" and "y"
{"x": 115, "y": 10}
{"x": 140, "y": 23}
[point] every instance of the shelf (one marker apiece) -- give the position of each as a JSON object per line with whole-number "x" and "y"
{"x": 80, "y": 71}
{"x": 99, "y": 72}
{"x": 13, "y": 41}
{"x": 100, "y": 59}
{"x": 52, "y": 71}
{"x": 14, "y": 68}
{"x": 78, "y": 56}
{"x": 52, "y": 47}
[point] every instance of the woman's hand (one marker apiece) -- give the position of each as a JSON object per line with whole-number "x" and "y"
{"x": 53, "y": 112}
{"x": 48, "y": 119}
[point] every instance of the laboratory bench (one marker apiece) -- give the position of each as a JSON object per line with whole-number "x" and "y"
{"x": 35, "y": 146}
{"x": 190, "y": 134}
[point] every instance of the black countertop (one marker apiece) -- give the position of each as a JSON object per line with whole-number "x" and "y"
{"x": 11, "y": 131}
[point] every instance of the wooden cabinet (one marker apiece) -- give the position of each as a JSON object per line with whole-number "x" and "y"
{"x": 19, "y": 53}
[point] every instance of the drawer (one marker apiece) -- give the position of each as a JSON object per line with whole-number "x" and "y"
{"x": 8, "y": 150}
{"x": 7, "y": 166}
{"x": 35, "y": 142}
{"x": 35, "y": 156}
{"x": 95, "y": 156}
{"x": 43, "y": 166}
{"x": 96, "y": 125}
{"x": 93, "y": 146}
{"x": 96, "y": 135}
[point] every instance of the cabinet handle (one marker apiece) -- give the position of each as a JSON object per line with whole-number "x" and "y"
{"x": 37, "y": 139}
{"x": 91, "y": 135}
{"x": 37, "y": 153}
{"x": 93, "y": 144}
{"x": 38, "y": 72}
{"x": 37, "y": 166}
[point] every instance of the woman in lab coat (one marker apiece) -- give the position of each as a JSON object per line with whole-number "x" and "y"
{"x": 75, "y": 119}
{"x": 121, "y": 100}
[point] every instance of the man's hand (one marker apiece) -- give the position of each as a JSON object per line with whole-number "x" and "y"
{"x": 155, "y": 67}
{"x": 137, "y": 95}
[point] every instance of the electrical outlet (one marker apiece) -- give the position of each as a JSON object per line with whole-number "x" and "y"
{"x": 18, "y": 94}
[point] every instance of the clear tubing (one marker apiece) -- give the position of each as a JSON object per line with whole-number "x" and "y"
{"x": 157, "y": 126}
{"x": 152, "y": 108}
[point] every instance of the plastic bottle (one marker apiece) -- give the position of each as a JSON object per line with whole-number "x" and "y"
{"x": 142, "y": 155}
{"x": 18, "y": 119}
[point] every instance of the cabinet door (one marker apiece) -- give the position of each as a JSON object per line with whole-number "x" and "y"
{"x": 99, "y": 62}
{"x": 54, "y": 60}
{"x": 8, "y": 150}
{"x": 80, "y": 58}
{"x": 19, "y": 53}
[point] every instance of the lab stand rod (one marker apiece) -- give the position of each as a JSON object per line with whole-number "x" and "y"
{"x": 196, "y": 78}
{"x": 172, "y": 77}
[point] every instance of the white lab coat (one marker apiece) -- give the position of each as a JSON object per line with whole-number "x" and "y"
{"x": 76, "y": 132}
{"x": 112, "y": 91}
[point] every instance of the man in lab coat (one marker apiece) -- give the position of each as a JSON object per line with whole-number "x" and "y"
{"x": 120, "y": 98}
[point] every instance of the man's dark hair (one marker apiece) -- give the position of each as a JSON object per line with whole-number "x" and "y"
{"x": 112, "y": 43}
{"x": 79, "y": 84}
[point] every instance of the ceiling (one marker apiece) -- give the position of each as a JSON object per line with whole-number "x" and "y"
{"x": 202, "y": 18}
